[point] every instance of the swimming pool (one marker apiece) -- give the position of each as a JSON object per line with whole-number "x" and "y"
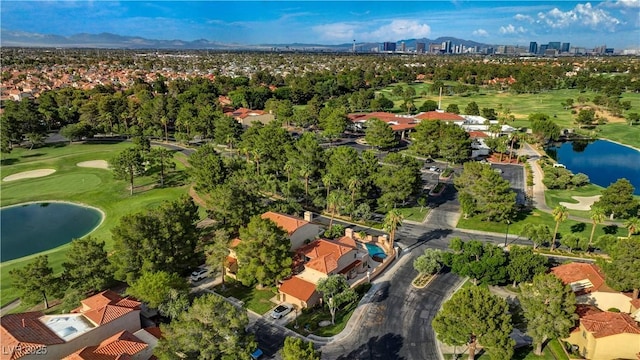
{"x": 375, "y": 251}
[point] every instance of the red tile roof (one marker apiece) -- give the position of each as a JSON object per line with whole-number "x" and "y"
{"x": 26, "y": 330}
{"x": 115, "y": 347}
{"x": 477, "y": 134}
{"x": 437, "y": 115}
{"x": 324, "y": 254}
{"x": 574, "y": 273}
{"x": 234, "y": 243}
{"x": 635, "y": 303}
{"x": 107, "y": 314}
{"x": 298, "y": 288}
{"x": 242, "y": 113}
{"x": 288, "y": 223}
{"x": 609, "y": 323}
{"x": 106, "y": 307}
{"x": 396, "y": 121}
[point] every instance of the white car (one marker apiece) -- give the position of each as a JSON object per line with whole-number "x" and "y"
{"x": 199, "y": 274}
{"x": 281, "y": 310}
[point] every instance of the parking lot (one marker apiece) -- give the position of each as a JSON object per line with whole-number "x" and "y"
{"x": 515, "y": 175}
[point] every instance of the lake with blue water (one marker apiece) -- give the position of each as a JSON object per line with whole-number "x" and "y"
{"x": 603, "y": 161}
{"x": 31, "y": 228}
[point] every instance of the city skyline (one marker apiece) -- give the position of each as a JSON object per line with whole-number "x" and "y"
{"x": 614, "y": 23}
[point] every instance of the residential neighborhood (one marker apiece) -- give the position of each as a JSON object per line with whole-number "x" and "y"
{"x": 309, "y": 206}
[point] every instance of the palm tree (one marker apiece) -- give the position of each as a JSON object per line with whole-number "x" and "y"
{"x": 354, "y": 185}
{"x": 560, "y": 214}
{"x": 305, "y": 172}
{"x": 328, "y": 179}
{"x": 633, "y": 225}
{"x": 288, "y": 167}
{"x": 332, "y": 204}
{"x": 597, "y": 217}
{"x": 392, "y": 221}
{"x": 165, "y": 122}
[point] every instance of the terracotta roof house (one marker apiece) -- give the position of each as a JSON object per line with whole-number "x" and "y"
{"x": 298, "y": 230}
{"x": 588, "y": 283}
{"x": 246, "y": 117}
{"x": 100, "y": 317}
{"x": 401, "y": 124}
{"x": 299, "y": 292}
{"x": 440, "y": 115}
{"x": 322, "y": 258}
{"x": 606, "y": 335}
{"x": 123, "y": 345}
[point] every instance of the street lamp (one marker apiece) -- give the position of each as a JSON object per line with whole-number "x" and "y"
{"x": 506, "y": 236}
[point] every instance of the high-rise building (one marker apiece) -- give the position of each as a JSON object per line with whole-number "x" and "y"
{"x": 420, "y": 47}
{"x": 533, "y": 47}
{"x": 564, "y": 47}
{"x": 435, "y": 48}
{"x": 389, "y": 46}
{"x": 555, "y": 45}
{"x": 542, "y": 49}
{"x": 403, "y": 47}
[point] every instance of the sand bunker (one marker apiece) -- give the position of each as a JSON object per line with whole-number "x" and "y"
{"x": 29, "y": 174}
{"x": 98, "y": 164}
{"x": 584, "y": 202}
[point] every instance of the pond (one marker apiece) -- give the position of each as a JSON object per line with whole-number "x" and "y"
{"x": 603, "y": 161}
{"x": 31, "y": 228}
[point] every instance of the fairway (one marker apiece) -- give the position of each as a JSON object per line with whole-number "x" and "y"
{"x": 85, "y": 185}
{"x": 522, "y": 105}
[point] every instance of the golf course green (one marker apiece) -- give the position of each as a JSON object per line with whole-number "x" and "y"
{"x": 93, "y": 186}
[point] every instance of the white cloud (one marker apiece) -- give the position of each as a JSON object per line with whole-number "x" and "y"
{"x": 522, "y": 17}
{"x": 400, "y": 29}
{"x": 625, "y": 3}
{"x": 390, "y": 30}
{"x": 480, "y": 32}
{"x": 510, "y": 29}
{"x": 336, "y": 31}
{"x": 581, "y": 14}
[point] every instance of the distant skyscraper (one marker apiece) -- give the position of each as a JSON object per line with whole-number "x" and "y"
{"x": 565, "y": 47}
{"x": 435, "y": 48}
{"x": 420, "y": 47}
{"x": 449, "y": 46}
{"x": 403, "y": 47}
{"x": 389, "y": 46}
{"x": 533, "y": 47}
{"x": 554, "y": 45}
{"x": 542, "y": 49}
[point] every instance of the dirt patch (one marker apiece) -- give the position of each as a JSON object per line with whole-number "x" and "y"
{"x": 29, "y": 174}
{"x": 584, "y": 202}
{"x": 97, "y": 164}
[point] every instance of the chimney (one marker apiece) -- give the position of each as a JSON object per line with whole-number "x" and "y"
{"x": 308, "y": 216}
{"x": 23, "y": 324}
{"x": 348, "y": 232}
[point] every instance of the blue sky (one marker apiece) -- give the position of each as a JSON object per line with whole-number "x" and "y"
{"x": 615, "y": 23}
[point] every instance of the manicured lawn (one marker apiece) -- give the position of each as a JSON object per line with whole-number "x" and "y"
{"x": 555, "y": 348}
{"x": 416, "y": 213}
{"x": 95, "y": 187}
{"x": 521, "y": 105}
{"x": 258, "y": 301}
{"x": 537, "y": 217}
{"x": 308, "y": 321}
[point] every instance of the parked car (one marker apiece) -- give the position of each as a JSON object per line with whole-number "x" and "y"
{"x": 199, "y": 274}
{"x": 281, "y": 310}
{"x": 257, "y": 354}
{"x": 433, "y": 168}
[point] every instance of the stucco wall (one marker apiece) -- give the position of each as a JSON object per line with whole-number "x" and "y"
{"x": 306, "y": 232}
{"x": 606, "y": 300}
{"x": 621, "y": 346}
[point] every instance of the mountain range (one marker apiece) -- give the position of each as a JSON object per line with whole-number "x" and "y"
{"x": 10, "y": 38}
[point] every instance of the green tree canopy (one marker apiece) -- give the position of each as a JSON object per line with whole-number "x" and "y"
{"x": 336, "y": 292}
{"x": 484, "y": 263}
{"x": 263, "y": 254}
{"x": 491, "y": 194}
{"x": 475, "y": 316}
{"x": 298, "y": 349}
{"x": 379, "y": 134}
{"x": 549, "y": 307}
{"x": 524, "y": 264}
{"x": 428, "y": 263}
{"x": 87, "y": 268}
{"x": 211, "y": 329}
{"x": 36, "y": 281}
{"x": 207, "y": 168}
{"x": 128, "y": 164}
{"x": 163, "y": 238}
{"x": 617, "y": 200}
{"x": 623, "y": 271}
{"x": 154, "y": 288}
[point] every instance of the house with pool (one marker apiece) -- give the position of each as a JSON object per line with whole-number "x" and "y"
{"x": 105, "y": 326}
